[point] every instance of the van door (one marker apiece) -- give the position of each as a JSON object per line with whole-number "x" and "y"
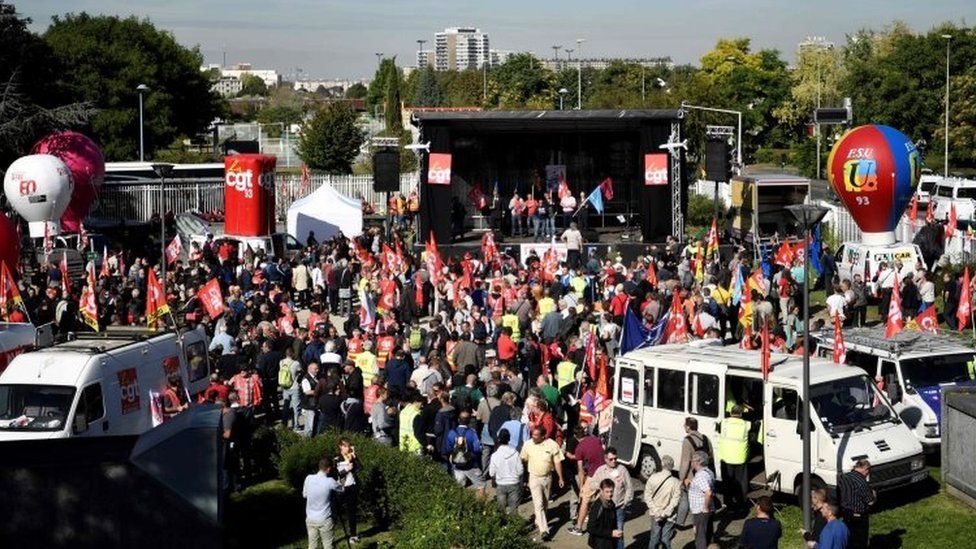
{"x": 626, "y": 429}
{"x": 706, "y": 396}
{"x": 89, "y": 418}
{"x": 783, "y": 445}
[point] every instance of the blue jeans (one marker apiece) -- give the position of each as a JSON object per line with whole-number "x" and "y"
{"x": 620, "y": 526}
{"x": 661, "y": 534}
{"x": 290, "y": 408}
{"x": 551, "y": 226}
{"x": 536, "y": 225}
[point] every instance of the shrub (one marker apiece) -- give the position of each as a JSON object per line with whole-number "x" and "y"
{"x": 700, "y": 210}
{"x": 411, "y": 495}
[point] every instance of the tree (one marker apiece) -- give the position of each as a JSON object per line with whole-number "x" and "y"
{"x": 523, "y": 83}
{"x": 392, "y": 113}
{"x": 252, "y": 85}
{"x": 376, "y": 93}
{"x": 104, "y": 59}
{"x": 330, "y": 141}
{"x": 462, "y": 88}
{"x": 429, "y": 92}
{"x": 33, "y": 99}
{"x": 356, "y": 91}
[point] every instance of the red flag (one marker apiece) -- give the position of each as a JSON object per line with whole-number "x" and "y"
{"x": 757, "y": 281}
{"x": 104, "y": 272}
{"x": 930, "y": 212}
{"x": 606, "y": 187}
{"x": 65, "y": 279}
{"x": 712, "y": 246}
{"x": 88, "y": 307}
{"x": 9, "y": 292}
{"x": 306, "y": 179}
{"x": 784, "y": 256}
{"x": 603, "y": 379}
{"x": 211, "y": 298}
{"x": 173, "y": 250}
{"x": 840, "y": 349}
{"x": 765, "y": 359}
{"x": 590, "y": 354}
{"x": 951, "y": 224}
{"x": 90, "y": 273}
{"x": 651, "y": 275}
{"x": 927, "y": 321}
{"x": 156, "y": 305}
{"x": 965, "y": 309}
{"x": 563, "y": 189}
{"x": 895, "y": 322}
{"x": 913, "y": 211}
{"x": 697, "y": 326}
{"x": 434, "y": 263}
{"x": 800, "y": 250}
{"x": 489, "y": 251}
{"x": 676, "y": 331}
{"x": 389, "y": 259}
{"x": 477, "y": 196}
{"x": 746, "y": 341}
{"x": 418, "y": 290}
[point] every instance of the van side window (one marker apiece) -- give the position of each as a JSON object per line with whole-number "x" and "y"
{"x": 671, "y": 390}
{"x": 648, "y": 386}
{"x": 866, "y": 362}
{"x": 889, "y": 377}
{"x": 90, "y": 403}
{"x": 196, "y": 361}
{"x": 627, "y": 394}
{"x": 784, "y": 403}
{"x": 704, "y": 395}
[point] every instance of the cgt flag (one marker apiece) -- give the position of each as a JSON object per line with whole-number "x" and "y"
{"x": 927, "y": 321}
{"x": 156, "y": 306}
{"x": 173, "y": 250}
{"x": 212, "y": 298}
{"x": 895, "y": 323}
{"x": 965, "y": 309}
{"x": 88, "y": 307}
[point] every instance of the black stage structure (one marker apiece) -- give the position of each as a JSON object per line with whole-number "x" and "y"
{"x": 510, "y": 150}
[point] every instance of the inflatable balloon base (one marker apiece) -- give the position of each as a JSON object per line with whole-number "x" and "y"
{"x": 878, "y": 239}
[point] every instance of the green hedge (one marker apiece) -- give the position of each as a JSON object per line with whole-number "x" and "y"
{"x": 410, "y": 495}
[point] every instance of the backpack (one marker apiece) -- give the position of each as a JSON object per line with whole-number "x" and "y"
{"x": 461, "y": 456}
{"x": 285, "y": 381}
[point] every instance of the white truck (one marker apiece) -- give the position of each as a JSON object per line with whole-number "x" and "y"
{"x": 658, "y": 387}
{"x": 98, "y": 384}
{"x": 865, "y": 259}
{"x": 911, "y": 368}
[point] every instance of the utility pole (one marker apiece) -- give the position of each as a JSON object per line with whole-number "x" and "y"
{"x": 945, "y": 170}
{"x": 579, "y": 73}
{"x": 555, "y": 56}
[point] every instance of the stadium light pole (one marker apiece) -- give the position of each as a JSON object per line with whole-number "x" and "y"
{"x": 579, "y": 73}
{"x": 945, "y": 172}
{"x": 808, "y": 216}
{"x": 163, "y": 171}
{"x": 141, "y": 88}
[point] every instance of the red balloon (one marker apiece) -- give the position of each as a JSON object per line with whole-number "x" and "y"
{"x": 87, "y": 165}
{"x": 9, "y": 243}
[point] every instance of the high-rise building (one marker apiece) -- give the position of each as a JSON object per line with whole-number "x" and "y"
{"x": 425, "y": 58}
{"x": 460, "y": 48}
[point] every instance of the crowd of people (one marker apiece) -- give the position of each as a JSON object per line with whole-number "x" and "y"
{"x": 498, "y": 370}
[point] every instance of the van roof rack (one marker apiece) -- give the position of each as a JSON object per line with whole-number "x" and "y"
{"x": 905, "y": 341}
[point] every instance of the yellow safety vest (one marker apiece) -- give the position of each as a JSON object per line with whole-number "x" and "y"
{"x": 366, "y": 361}
{"x": 564, "y": 373}
{"x": 512, "y": 321}
{"x": 733, "y": 441}
{"x": 408, "y": 442}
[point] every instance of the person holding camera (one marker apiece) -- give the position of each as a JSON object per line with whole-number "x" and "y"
{"x": 347, "y": 468}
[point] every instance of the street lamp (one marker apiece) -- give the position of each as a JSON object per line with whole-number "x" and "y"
{"x": 163, "y": 171}
{"x": 562, "y": 92}
{"x": 945, "y": 172}
{"x": 141, "y": 88}
{"x": 808, "y": 216}
{"x": 579, "y": 73}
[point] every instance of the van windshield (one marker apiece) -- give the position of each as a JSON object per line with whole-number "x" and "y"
{"x": 34, "y": 407}
{"x": 850, "y": 403}
{"x": 934, "y": 370}
{"x": 926, "y": 186}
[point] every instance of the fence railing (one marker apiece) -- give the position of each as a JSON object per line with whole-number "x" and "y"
{"x": 139, "y": 201}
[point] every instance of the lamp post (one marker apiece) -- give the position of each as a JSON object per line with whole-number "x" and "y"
{"x": 562, "y": 92}
{"x": 945, "y": 172}
{"x": 163, "y": 171}
{"x": 141, "y": 88}
{"x": 579, "y": 73}
{"x": 808, "y": 216}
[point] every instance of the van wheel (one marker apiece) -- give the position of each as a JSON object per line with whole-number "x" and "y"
{"x": 816, "y": 483}
{"x": 648, "y": 462}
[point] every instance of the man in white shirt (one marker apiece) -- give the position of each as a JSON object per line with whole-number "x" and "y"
{"x": 836, "y": 303}
{"x": 568, "y": 206}
{"x": 317, "y": 491}
{"x": 574, "y": 245}
{"x": 926, "y": 290}
{"x": 506, "y": 468}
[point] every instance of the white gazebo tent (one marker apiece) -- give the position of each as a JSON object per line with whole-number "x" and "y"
{"x": 327, "y": 212}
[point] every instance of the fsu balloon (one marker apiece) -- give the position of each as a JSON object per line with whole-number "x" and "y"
{"x": 874, "y": 169}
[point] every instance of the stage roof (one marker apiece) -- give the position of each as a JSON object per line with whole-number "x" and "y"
{"x": 546, "y": 120}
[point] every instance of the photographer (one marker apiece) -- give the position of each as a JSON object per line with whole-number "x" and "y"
{"x": 347, "y": 467}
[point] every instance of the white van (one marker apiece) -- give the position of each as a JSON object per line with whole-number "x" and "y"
{"x": 21, "y": 337}
{"x": 658, "y": 387}
{"x": 926, "y": 187}
{"x": 98, "y": 384}
{"x": 954, "y": 190}
{"x": 864, "y": 259}
{"x": 274, "y": 245}
{"x": 913, "y": 367}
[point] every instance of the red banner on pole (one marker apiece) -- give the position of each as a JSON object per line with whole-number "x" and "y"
{"x": 212, "y": 298}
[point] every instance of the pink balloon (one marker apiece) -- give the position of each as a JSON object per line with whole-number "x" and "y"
{"x": 87, "y": 165}
{"x": 10, "y": 251}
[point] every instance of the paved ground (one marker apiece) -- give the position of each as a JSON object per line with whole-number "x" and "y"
{"x": 636, "y": 528}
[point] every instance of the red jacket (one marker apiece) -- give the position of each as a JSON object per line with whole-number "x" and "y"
{"x": 618, "y": 305}
{"x": 506, "y": 347}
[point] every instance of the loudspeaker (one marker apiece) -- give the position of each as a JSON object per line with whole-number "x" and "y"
{"x": 386, "y": 171}
{"x": 717, "y": 160}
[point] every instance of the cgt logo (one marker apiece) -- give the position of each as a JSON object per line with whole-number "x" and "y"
{"x": 860, "y": 175}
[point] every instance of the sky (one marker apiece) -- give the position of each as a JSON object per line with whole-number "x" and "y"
{"x": 339, "y": 39}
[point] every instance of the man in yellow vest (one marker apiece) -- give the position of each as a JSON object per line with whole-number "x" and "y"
{"x": 565, "y": 373}
{"x": 511, "y": 320}
{"x": 366, "y": 362}
{"x": 407, "y": 437}
{"x": 733, "y": 452}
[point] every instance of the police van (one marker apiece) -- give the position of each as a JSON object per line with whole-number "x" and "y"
{"x": 658, "y": 387}
{"x": 865, "y": 259}
{"x": 105, "y": 384}
{"x": 911, "y": 368}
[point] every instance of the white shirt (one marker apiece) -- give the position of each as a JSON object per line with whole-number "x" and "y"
{"x": 927, "y": 291}
{"x": 317, "y": 490}
{"x": 835, "y": 305}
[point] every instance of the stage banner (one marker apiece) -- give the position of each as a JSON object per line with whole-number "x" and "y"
{"x": 555, "y": 173}
{"x": 655, "y": 169}
{"x": 540, "y": 250}
{"x": 249, "y": 194}
{"x": 439, "y": 169}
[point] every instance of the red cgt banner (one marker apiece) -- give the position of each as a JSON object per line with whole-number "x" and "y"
{"x": 211, "y": 298}
{"x": 656, "y": 169}
{"x": 249, "y": 194}
{"x": 439, "y": 169}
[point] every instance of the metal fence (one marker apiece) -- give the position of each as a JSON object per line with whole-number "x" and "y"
{"x": 139, "y": 201}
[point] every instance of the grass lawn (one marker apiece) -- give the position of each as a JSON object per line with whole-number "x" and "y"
{"x": 920, "y": 516}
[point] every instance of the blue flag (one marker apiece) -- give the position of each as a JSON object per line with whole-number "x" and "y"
{"x": 636, "y": 336}
{"x": 764, "y": 264}
{"x": 596, "y": 198}
{"x": 738, "y": 285}
{"x": 815, "y": 249}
